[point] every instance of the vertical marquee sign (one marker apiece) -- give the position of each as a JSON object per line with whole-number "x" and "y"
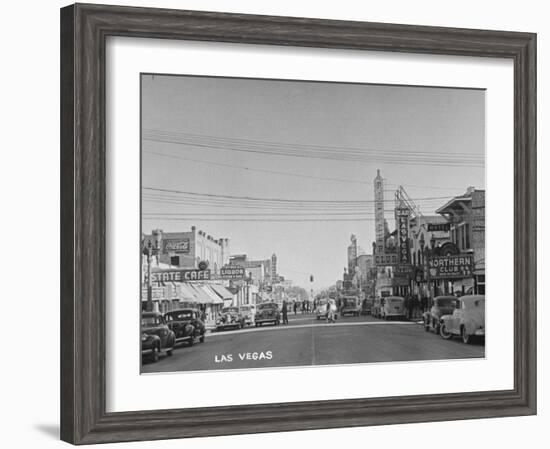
{"x": 403, "y": 235}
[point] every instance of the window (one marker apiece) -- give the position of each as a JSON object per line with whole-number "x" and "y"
{"x": 175, "y": 260}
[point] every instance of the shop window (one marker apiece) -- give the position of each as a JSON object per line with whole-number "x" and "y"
{"x": 175, "y": 260}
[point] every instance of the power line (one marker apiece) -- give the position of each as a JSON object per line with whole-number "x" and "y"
{"x": 273, "y": 172}
{"x": 280, "y": 200}
{"x": 327, "y": 148}
{"x": 317, "y": 151}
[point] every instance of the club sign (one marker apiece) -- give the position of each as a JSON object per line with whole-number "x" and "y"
{"x": 446, "y": 267}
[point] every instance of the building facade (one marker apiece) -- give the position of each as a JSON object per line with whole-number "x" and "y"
{"x": 187, "y": 249}
{"x": 465, "y": 215}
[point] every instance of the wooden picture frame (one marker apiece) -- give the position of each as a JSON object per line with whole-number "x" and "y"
{"x": 84, "y": 29}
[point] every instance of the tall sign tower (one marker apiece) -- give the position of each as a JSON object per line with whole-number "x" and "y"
{"x": 379, "y": 212}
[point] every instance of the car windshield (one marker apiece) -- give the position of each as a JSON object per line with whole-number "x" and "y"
{"x": 180, "y": 316}
{"x": 266, "y": 306}
{"x": 150, "y": 321}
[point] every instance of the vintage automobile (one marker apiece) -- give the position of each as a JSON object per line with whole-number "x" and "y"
{"x": 267, "y": 312}
{"x": 367, "y": 306}
{"x": 150, "y": 346}
{"x": 322, "y": 308}
{"x": 186, "y": 325}
{"x": 156, "y": 337}
{"x": 443, "y": 305}
{"x": 229, "y": 318}
{"x": 351, "y": 305}
{"x": 467, "y": 319}
{"x": 248, "y": 312}
{"x": 394, "y": 307}
{"x": 377, "y": 305}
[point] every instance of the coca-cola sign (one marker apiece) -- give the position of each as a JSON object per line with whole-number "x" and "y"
{"x": 176, "y": 245}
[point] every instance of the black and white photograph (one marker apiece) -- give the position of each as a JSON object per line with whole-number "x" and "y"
{"x": 292, "y": 223}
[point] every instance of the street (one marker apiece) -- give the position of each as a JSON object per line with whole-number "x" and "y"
{"x": 308, "y": 341}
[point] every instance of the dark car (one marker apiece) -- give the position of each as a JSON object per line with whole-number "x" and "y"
{"x": 186, "y": 325}
{"x": 156, "y": 337}
{"x": 351, "y": 306}
{"x": 267, "y": 312}
{"x": 367, "y": 306}
{"x": 443, "y": 305}
{"x": 230, "y": 318}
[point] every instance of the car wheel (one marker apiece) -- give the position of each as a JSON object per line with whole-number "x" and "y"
{"x": 466, "y": 337}
{"x": 169, "y": 352}
{"x": 192, "y": 340}
{"x": 445, "y": 334}
{"x": 155, "y": 354}
{"x": 202, "y": 338}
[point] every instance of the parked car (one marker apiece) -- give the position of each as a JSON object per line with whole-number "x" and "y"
{"x": 150, "y": 346}
{"x": 443, "y": 305}
{"x": 229, "y": 318}
{"x": 267, "y": 312}
{"x": 394, "y": 307}
{"x": 248, "y": 312}
{"x": 156, "y": 337}
{"x": 377, "y": 305}
{"x": 351, "y": 306}
{"x": 322, "y": 309}
{"x": 186, "y": 325}
{"x": 367, "y": 306}
{"x": 467, "y": 319}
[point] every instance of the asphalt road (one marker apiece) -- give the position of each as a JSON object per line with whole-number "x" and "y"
{"x": 307, "y": 341}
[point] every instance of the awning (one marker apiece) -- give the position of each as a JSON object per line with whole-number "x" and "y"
{"x": 210, "y": 292}
{"x": 201, "y": 295}
{"x": 222, "y": 291}
{"x": 187, "y": 292}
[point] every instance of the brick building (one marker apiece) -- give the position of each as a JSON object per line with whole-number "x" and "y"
{"x": 187, "y": 248}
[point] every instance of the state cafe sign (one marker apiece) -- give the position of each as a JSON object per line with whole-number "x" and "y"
{"x": 180, "y": 275}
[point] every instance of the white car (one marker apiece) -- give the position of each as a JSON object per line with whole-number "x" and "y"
{"x": 467, "y": 320}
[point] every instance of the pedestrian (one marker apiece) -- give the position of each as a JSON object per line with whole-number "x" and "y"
{"x": 295, "y": 306}
{"x": 330, "y": 312}
{"x": 410, "y": 306}
{"x": 285, "y": 313}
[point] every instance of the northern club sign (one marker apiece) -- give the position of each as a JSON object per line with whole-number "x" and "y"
{"x": 451, "y": 267}
{"x": 232, "y": 272}
{"x": 180, "y": 275}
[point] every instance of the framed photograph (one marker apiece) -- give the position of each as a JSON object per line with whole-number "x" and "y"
{"x": 274, "y": 224}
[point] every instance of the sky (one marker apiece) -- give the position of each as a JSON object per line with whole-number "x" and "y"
{"x": 287, "y": 167}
